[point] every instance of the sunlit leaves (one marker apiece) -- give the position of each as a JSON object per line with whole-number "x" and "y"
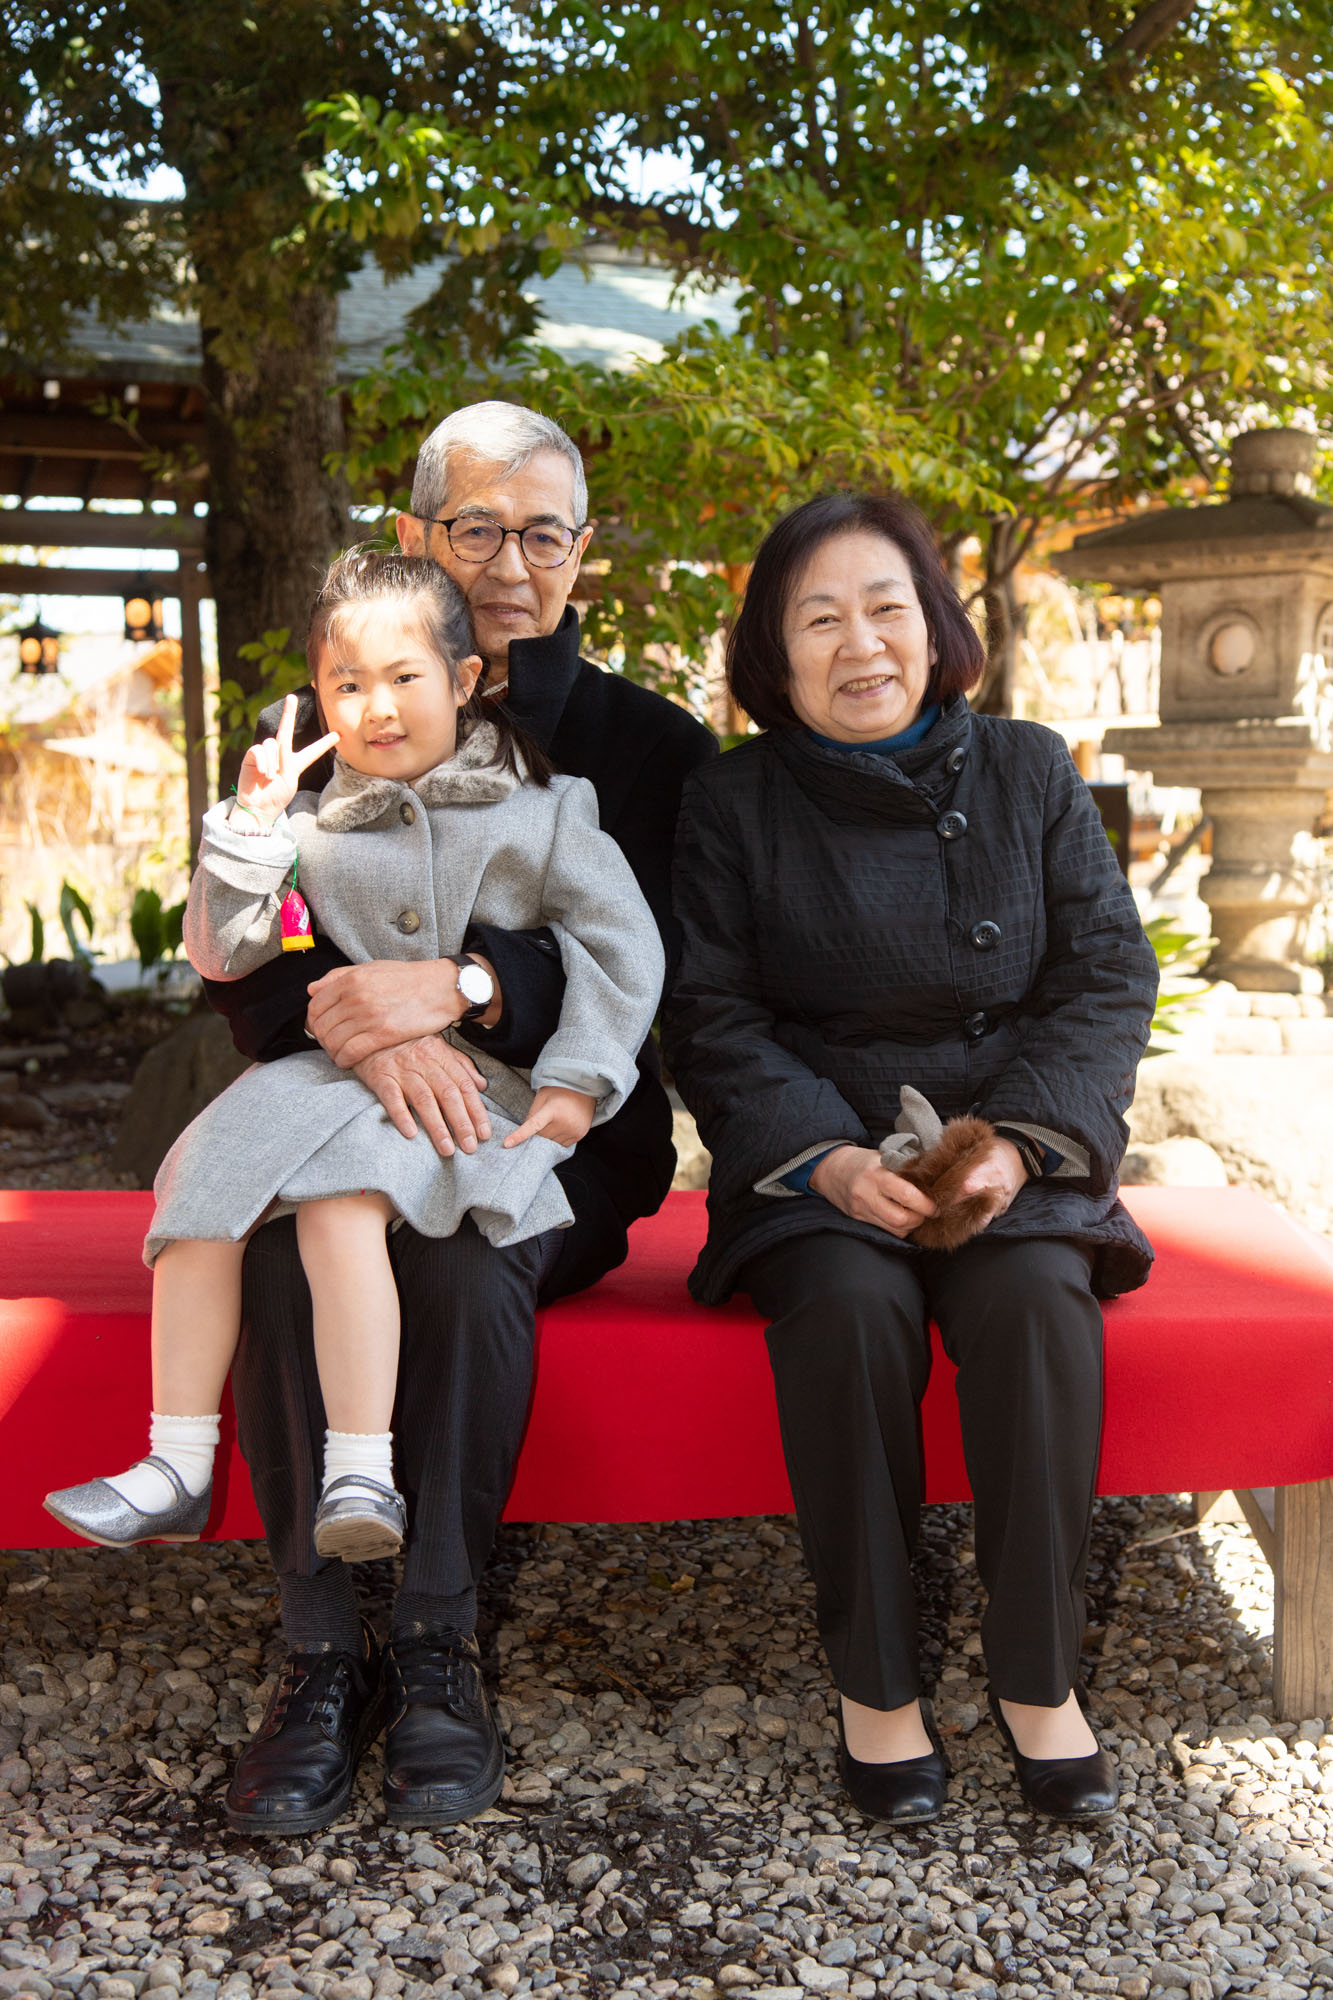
{"x": 1008, "y": 257}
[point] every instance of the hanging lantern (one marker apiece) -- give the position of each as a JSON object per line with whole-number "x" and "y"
{"x": 143, "y": 613}
{"x": 39, "y": 649}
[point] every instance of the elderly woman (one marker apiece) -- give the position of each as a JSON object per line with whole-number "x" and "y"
{"x": 885, "y": 890}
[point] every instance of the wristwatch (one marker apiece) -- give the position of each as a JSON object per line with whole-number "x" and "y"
{"x": 475, "y": 984}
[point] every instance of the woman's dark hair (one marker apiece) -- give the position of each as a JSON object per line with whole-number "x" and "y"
{"x": 377, "y": 576}
{"x": 757, "y": 667}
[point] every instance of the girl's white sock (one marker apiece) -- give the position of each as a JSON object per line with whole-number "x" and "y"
{"x": 368, "y": 1454}
{"x": 187, "y": 1444}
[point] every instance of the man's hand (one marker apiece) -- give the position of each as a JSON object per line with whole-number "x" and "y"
{"x": 1000, "y": 1166}
{"x": 435, "y": 1081}
{"x": 854, "y": 1180}
{"x": 358, "y": 1010}
{"x": 558, "y": 1114}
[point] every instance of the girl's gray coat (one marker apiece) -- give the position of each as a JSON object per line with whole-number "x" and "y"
{"x": 393, "y": 870}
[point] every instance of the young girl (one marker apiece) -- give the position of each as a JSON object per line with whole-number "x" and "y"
{"x": 432, "y": 819}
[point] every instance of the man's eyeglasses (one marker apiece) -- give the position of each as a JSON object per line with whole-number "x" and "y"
{"x": 545, "y": 545}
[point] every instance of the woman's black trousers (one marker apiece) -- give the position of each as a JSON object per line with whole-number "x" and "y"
{"x": 850, "y": 1349}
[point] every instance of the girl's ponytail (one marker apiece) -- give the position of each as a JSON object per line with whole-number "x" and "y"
{"x": 518, "y": 751}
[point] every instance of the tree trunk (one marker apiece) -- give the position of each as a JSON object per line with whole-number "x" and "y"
{"x": 1005, "y": 620}
{"x": 951, "y": 555}
{"x": 276, "y": 514}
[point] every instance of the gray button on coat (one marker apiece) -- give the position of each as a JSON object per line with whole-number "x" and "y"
{"x": 398, "y": 871}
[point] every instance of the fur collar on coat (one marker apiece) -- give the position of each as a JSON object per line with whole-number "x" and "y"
{"x": 473, "y": 776}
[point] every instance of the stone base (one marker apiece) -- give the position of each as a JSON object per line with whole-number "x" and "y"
{"x": 1220, "y": 1020}
{"x": 1173, "y": 1163}
{"x": 1266, "y": 975}
{"x": 1262, "y": 785}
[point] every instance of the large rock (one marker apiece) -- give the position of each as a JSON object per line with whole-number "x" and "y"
{"x": 1173, "y": 1163}
{"x": 693, "y": 1160}
{"x": 51, "y": 993}
{"x": 171, "y": 1086}
{"x": 1270, "y": 1118}
{"x": 18, "y": 1107}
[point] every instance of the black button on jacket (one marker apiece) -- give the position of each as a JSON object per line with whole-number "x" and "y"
{"x": 830, "y": 956}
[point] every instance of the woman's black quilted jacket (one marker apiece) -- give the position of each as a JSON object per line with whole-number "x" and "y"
{"x": 952, "y": 918}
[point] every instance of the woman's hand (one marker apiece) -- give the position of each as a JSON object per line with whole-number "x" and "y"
{"x": 1000, "y": 1166}
{"x": 854, "y": 1180}
{"x": 558, "y": 1114}
{"x": 271, "y": 774}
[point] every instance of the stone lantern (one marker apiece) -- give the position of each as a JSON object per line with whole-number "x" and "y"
{"x": 1246, "y": 699}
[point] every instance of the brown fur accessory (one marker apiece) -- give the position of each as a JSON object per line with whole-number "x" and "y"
{"x": 937, "y": 1158}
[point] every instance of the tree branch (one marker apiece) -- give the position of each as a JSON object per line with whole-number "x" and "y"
{"x": 622, "y": 216}
{"x": 805, "y": 50}
{"x": 1178, "y": 424}
{"x": 1150, "y": 26}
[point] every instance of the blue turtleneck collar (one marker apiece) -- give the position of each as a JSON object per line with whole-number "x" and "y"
{"x": 888, "y": 746}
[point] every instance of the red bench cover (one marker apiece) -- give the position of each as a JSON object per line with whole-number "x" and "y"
{"x": 1219, "y": 1373}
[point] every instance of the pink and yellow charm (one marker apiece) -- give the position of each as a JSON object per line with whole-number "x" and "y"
{"x": 295, "y": 921}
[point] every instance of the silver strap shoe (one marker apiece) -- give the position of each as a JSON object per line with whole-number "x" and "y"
{"x": 98, "y": 1512}
{"x": 364, "y": 1521}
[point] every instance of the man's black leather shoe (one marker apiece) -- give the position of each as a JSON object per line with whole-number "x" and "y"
{"x": 903, "y": 1793}
{"x": 1076, "y": 1788}
{"x": 443, "y": 1758}
{"x": 297, "y": 1772}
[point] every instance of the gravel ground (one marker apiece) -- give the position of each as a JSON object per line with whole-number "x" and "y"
{"x": 672, "y": 1823}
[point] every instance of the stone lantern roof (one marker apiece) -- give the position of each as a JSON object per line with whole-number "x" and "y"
{"x": 1270, "y": 520}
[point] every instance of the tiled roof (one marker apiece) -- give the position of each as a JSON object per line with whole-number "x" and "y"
{"x": 611, "y": 310}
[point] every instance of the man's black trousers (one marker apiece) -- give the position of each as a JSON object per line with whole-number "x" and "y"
{"x": 465, "y": 1383}
{"x": 464, "y": 1373}
{"x": 849, "y": 1346}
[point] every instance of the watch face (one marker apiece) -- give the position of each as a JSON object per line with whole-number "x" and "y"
{"x": 476, "y": 986}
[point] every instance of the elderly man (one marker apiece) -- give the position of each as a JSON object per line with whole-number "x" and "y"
{"x": 500, "y": 500}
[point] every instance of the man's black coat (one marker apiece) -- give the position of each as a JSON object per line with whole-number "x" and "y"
{"x": 636, "y": 749}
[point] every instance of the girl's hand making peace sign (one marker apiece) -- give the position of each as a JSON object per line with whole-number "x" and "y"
{"x": 270, "y": 776}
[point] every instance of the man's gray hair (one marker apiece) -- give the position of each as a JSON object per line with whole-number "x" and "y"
{"x": 502, "y": 434}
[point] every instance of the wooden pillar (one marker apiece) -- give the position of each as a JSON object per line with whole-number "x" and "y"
{"x": 1303, "y": 1602}
{"x": 192, "y": 589}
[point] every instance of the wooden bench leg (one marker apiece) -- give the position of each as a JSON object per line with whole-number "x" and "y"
{"x": 1214, "y": 1509}
{"x": 1303, "y": 1601}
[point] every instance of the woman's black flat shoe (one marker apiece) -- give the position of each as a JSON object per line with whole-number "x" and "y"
{"x": 1062, "y": 1787}
{"x": 904, "y": 1793}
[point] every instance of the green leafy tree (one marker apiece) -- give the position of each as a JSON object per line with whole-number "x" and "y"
{"x": 1068, "y": 241}
{"x": 98, "y": 94}
{"x": 1006, "y": 257}
{"x": 1011, "y": 257}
